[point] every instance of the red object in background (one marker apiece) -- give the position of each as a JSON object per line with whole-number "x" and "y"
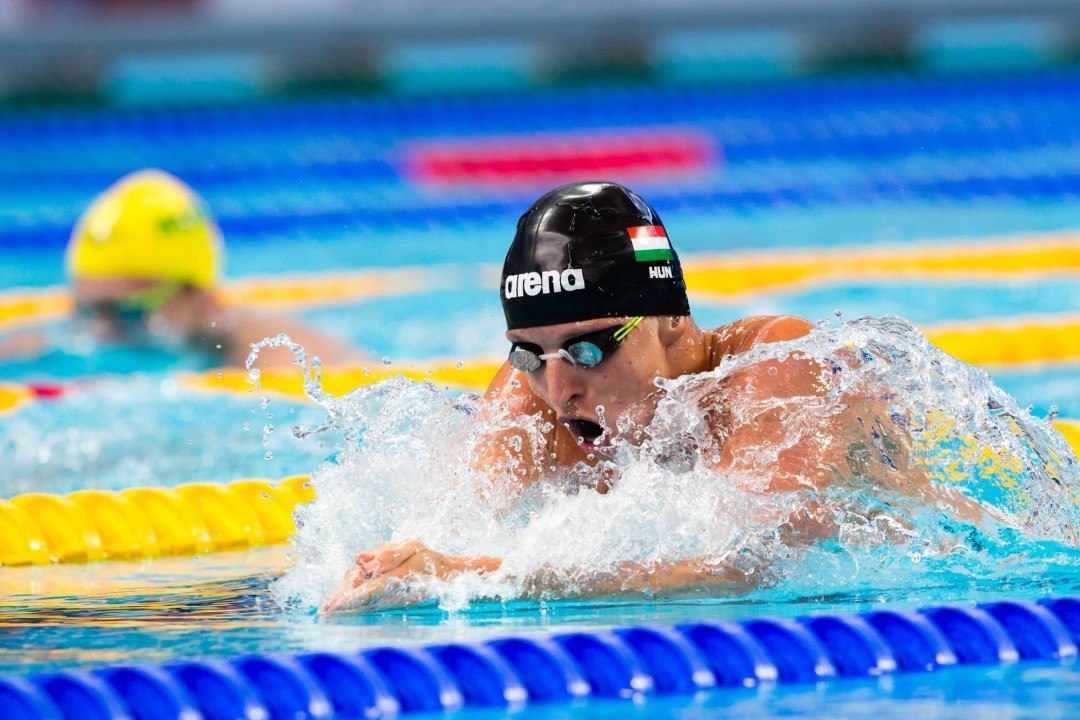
{"x": 566, "y": 158}
{"x": 47, "y": 391}
{"x": 141, "y": 4}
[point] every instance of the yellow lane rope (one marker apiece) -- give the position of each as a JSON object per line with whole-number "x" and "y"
{"x": 340, "y": 287}
{"x": 12, "y": 397}
{"x": 24, "y": 307}
{"x": 731, "y": 276}
{"x": 1012, "y": 341}
{"x": 28, "y": 306}
{"x": 141, "y": 523}
{"x": 1070, "y": 429}
{"x": 725, "y": 276}
{"x": 473, "y": 375}
{"x": 993, "y": 344}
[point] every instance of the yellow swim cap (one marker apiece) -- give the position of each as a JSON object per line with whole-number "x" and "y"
{"x": 147, "y": 225}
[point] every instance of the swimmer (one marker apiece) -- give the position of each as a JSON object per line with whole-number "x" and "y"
{"x": 144, "y": 262}
{"x": 596, "y": 311}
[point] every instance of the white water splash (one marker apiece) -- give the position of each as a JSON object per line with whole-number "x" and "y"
{"x": 931, "y": 437}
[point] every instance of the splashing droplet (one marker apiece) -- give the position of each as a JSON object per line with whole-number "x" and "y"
{"x": 662, "y": 497}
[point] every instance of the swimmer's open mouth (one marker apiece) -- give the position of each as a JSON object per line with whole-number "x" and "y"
{"x": 584, "y": 429}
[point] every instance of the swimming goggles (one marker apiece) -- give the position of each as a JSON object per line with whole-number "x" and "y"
{"x": 588, "y": 350}
{"x": 131, "y": 309}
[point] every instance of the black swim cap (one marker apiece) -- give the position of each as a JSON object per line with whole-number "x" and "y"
{"x": 590, "y": 250}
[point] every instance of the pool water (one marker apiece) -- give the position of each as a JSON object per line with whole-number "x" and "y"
{"x": 87, "y": 616}
{"x": 810, "y": 186}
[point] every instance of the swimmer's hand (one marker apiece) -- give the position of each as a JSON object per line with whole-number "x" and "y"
{"x": 381, "y": 575}
{"x": 387, "y": 577}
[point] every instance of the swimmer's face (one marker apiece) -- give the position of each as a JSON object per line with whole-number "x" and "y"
{"x": 625, "y": 377}
{"x": 97, "y": 301}
{"x": 132, "y": 310}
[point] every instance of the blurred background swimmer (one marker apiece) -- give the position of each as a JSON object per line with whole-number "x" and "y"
{"x": 144, "y": 264}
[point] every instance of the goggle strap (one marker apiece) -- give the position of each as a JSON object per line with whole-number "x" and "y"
{"x": 626, "y": 327}
{"x": 154, "y": 298}
{"x": 563, "y": 353}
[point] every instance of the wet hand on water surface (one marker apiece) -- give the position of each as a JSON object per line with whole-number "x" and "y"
{"x": 381, "y": 575}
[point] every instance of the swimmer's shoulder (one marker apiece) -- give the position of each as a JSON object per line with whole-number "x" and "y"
{"x": 741, "y": 335}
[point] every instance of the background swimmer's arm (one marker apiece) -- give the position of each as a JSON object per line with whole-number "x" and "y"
{"x": 245, "y": 326}
{"x": 23, "y": 343}
{"x": 200, "y": 316}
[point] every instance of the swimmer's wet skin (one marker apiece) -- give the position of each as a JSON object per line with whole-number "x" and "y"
{"x": 596, "y": 313}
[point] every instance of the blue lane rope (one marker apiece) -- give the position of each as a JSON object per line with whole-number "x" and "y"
{"x": 794, "y": 123}
{"x": 625, "y": 663}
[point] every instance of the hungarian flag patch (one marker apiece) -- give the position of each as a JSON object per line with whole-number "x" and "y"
{"x": 650, "y": 243}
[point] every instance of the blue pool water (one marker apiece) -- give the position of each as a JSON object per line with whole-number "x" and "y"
{"x": 320, "y": 186}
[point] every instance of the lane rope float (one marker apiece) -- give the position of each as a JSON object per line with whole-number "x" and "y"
{"x": 148, "y": 522}
{"x": 630, "y": 663}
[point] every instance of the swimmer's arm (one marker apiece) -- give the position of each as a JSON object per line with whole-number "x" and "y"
{"x": 670, "y": 577}
{"x": 380, "y": 577}
{"x": 814, "y": 461}
{"x": 203, "y": 317}
{"x": 771, "y": 385}
{"x": 24, "y": 343}
{"x": 755, "y": 439}
{"x": 776, "y": 387}
{"x": 861, "y": 410}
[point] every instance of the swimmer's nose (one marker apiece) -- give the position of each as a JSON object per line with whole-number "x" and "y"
{"x": 564, "y": 384}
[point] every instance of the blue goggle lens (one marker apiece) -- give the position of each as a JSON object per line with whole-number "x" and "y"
{"x": 586, "y": 353}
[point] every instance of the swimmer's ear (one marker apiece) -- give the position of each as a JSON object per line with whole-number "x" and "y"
{"x": 672, "y": 329}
